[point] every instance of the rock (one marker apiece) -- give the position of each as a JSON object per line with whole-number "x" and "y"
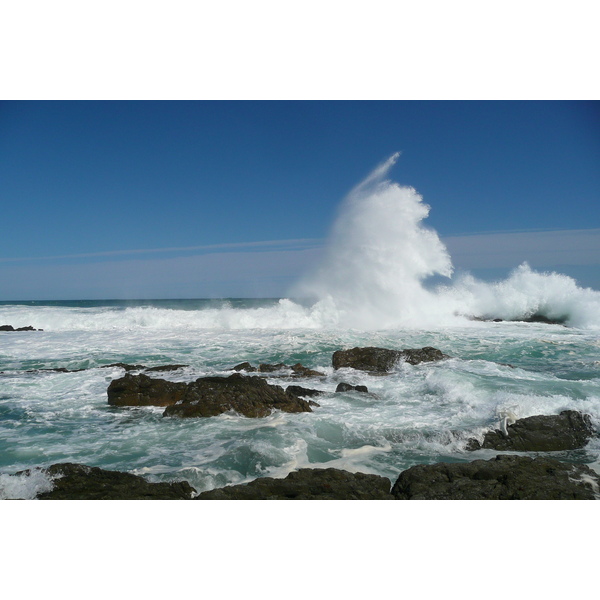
{"x": 141, "y": 390}
{"x": 302, "y": 371}
{"x": 11, "y": 328}
{"x": 542, "y": 433}
{"x": 506, "y": 477}
{"x": 124, "y": 366}
{"x": 308, "y": 484}
{"x": 163, "y": 368}
{"x": 80, "y": 482}
{"x": 298, "y": 390}
{"x": 382, "y": 360}
{"x": 267, "y": 368}
{"x": 248, "y": 396}
{"x": 245, "y": 366}
{"x": 346, "y": 387}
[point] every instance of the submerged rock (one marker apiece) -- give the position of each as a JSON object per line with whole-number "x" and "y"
{"x": 382, "y": 360}
{"x": 308, "y": 484}
{"x": 245, "y": 366}
{"x": 346, "y": 387}
{"x": 298, "y": 370}
{"x": 541, "y": 433}
{"x": 80, "y": 482}
{"x": 141, "y": 390}
{"x": 248, "y": 396}
{"x": 506, "y": 477}
{"x": 162, "y": 368}
{"x": 11, "y": 328}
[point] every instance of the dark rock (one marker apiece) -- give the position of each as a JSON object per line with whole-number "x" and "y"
{"x": 6, "y": 328}
{"x": 248, "y": 396}
{"x": 267, "y": 368}
{"x": 542, "y": 433}
{"x": 506, "y": 477}
{"x": 540, "y": 318}
{"x": 163, "y": 368}
{"x": 11, "y": 328}
{"x": 302, "y": 371}
{"x": 346, "y": 387}
{"x": 308, "y": 484}
{"x": 298, "y": 390}
{"x": 382, "y": 360}
{"x": 245, "y": 366}
{"x": 124, "y": 366}
{"x": 80, "y": 482}
{"x": 141, "y": 390}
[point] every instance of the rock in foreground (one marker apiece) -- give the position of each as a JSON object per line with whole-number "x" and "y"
{"x": 382, "y": 360}
{"x": 141, "y": 390}
{"x": 506, "y": 477}
{"x": 541, "y": 433}
{"x": 308, "y": 484}
{"x": 80, "y": 482}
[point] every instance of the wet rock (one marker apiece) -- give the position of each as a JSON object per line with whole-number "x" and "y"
{"x": 163, "y": 368}
{"x": 141, "y": 390}
{"x": 245, "y": 366}
{"x": 124, "y": 366}
{"x": 81, "y": 482}
{"x": 308, "y": 484}
{"x": 541, "y": 433}
{"x": 11, "y": 328}
{"x": 506, "y": 477}
{"x": 268, "y": 368}
{"x": 298, "y": 390}
{"x": 248, "y": 396}
{"x": 346, "y": 387}
{"x": 382, "y": 360}
{"x": 302, "y": 371}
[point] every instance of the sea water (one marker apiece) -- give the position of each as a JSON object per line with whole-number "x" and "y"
{"x": 370, "y": 290}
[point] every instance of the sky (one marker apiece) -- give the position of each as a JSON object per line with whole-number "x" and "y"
{"x": 165, "y": 199}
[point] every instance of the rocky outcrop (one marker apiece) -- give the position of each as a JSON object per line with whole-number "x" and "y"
{"x": 11, "y": 328}
{"x": 80, "y": 482}
{"x": 541, "y": 433}
{"x": 248, "y": 396}
{"x": 346, "y": 387}
{"x": 297, "y": 370}
{"x": 308, "y": 484}
{"x": 298, "y": 390}
{"x": 506, "y": 477}
{"x": 382, "y": 360}
{"x": 141, "y": 390}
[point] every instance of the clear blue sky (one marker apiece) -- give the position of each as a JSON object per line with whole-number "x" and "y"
{"x": 112, "y": 179}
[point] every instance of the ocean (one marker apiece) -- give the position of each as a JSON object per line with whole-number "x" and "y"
{"x": 373, "y": 288}
{"x": 416, "y": 414}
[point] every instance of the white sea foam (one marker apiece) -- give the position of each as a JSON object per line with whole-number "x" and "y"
{"x": 25, "y": 486}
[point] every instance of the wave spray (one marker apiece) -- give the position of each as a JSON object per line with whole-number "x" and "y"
{"x": 379, "y": 255}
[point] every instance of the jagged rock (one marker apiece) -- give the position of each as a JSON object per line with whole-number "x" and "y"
{"x": 542, "y": 433}
{"x": 11, "y": 328}
{"x": 81, "y": 482}
{"x": 298, "y": 390}
{"x": 141, "y": 390}
{"x": 245, "y": 366}
{"x": 124, "y": 366}
{"x": 267, "y": 368}
{"x": 308, "y": 484}
{"x": 163, "y": 368}
{"x": 382, "y": 360}
{"x": 248, "y": 396}
{"x": 302, "y": 371}
{"x": 506, "y": 477}
{"x": 346, "y": 387}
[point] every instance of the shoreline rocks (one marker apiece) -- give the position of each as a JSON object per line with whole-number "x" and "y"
{"x": 80, "y": 482}
{"x": 308, "y": 484}
{"x": 11, "y": 328}
{"x": 506, "y": 477}
{"x": 541, "y": 433}
{"x": 382, "y": 360}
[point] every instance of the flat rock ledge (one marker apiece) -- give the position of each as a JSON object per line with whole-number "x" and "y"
{"x": 206, "y": 397}
{"x": 308, "y": 484}
{"x": 81, "y": 482}
{"x": 506, "y": 477}
{"x": 382, "y": 360}
{"x": 541, "y": 433}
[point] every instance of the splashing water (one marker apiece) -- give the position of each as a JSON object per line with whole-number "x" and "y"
{"x": 379, "y": 255}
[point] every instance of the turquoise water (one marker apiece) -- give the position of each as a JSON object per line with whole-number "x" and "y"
{"x": 417, "y": 414}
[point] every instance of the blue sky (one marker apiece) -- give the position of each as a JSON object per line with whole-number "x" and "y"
{"x": 159, "y": 199}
